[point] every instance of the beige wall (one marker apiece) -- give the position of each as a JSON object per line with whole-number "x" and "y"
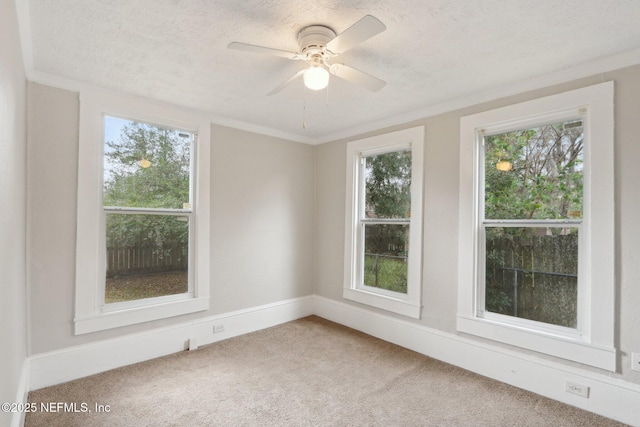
{"x": 277, "y": 216}
{"x": 441, "y": 212}
{"x": 262, "y": 210}
{"x": 13, "y": 306}
{"x": 262, "y": 216}
{"x": 52, "y": 174}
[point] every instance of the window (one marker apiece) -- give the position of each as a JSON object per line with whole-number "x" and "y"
{"x": 147, "y": 178}
{"x": 143, "y": 212}
{"x": 536, "y": 225}
{"x": 384, "y": 223}
{"x": 532, "y": 216}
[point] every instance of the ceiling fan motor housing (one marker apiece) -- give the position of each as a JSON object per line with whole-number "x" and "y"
{"x": 319, "y": 45}
{"x": 313, "y": 39}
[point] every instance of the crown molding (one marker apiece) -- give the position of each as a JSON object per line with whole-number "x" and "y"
{"x": 591, "y": 68}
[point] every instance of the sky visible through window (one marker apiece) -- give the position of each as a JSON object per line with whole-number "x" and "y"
{"x": 113, "y": 127}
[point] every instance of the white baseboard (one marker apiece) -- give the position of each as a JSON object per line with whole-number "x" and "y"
{"x": 610, "y": 397}
{"x": 22, "y": 394}
{"x": 71, "y": 363}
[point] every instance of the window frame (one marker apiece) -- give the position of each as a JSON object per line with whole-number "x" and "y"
{"x": 592, "y": 341}
{"x": 174, "y": 212}
{"x": 409, "y": 304}
{"x": 91, "y": 312}
{"x": 484, "y": 224}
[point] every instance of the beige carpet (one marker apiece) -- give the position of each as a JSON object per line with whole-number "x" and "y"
{"x": 310, "y": 372}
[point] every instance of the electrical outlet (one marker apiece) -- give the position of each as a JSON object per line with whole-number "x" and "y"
{"x": 218, "y": 328}
{"x": 635, "y": 361}
{"x": 579, "y": 389}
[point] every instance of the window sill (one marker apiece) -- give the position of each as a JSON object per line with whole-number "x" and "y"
{"x": 384, "y": 302}
{"x": 543, "y": 342}
{"x": 130, "y": 316}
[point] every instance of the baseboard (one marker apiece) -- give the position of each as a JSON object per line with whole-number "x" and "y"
{"x": 71, "y": 363}
{"x": 610, "y": 397}
{"x": 22, "y": 394}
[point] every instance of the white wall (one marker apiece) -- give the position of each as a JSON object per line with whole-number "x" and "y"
{"x": 262, "y": 216}
{"x": 263, "y": 213}
{"x": 441, "y": 215}
{"x": 13, "y": 328}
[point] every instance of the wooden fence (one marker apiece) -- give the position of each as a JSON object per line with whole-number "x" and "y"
{"x": 534, "y": 277}
{"x": 146, "y": 259}
{"x": 387, "y": 239}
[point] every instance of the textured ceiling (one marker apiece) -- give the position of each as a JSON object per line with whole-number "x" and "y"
{"x": 433, "y": 51}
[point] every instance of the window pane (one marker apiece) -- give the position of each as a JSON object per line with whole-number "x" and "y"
{"x": 388, "y": 185}
{"x": 535, "y": 173}
{"x": 145, "y": 166}
{"x": 147, "y": 256}
{"x": 532, "y": 273}
{"x": 386, "y": 248}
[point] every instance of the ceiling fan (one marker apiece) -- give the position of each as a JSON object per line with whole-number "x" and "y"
{"x": 319, "y": 45}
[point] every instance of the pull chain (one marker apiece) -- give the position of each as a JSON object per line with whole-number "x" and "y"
{"x": 304, "y": 104}
{"x": 327, "y": 99}
{"x": 304, "y": 107}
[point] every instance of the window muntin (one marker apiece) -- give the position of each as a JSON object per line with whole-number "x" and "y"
{"x": 147, "y": 178}
{"x": 532, "y": 214}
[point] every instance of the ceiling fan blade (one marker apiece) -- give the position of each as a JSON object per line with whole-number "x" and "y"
{"x": 245, "y": 47}
{"x": 286, "y": 82}
{"x": 362, "y": 30}
{"x": 357, "y": 77}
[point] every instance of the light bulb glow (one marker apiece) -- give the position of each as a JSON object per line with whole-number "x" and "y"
{"x": 316, "y": 78}
{"x": 504, "y": 165}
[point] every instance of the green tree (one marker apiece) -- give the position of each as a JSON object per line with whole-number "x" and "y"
{"x": 387, "y": 195}
{"x": 163, "y": 184}
{"x": 388, "y": 185}
{"x": 544, "y": 182}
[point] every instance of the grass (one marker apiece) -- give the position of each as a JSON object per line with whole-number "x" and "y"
{"x": 140, "y": 286}
{"x": 391, "y": 275}
{"x": 385, "y": 273}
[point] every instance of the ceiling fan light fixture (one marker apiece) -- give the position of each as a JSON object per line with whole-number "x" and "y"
{"x": 316, "y": 78}
{"x": 318, "y": 46}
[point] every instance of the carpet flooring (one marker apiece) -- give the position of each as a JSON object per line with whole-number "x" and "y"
{"x": 309, "y": 372}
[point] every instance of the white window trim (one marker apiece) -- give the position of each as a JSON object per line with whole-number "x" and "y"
{"x": 91, "y": 314}
{"x": 593, "y": 343}
{"x": 408, "y": 304}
